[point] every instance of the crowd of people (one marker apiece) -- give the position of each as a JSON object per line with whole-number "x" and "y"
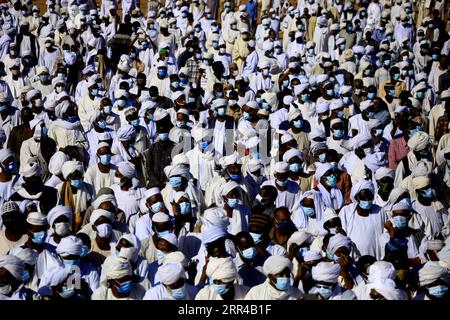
{"x": 225, "y": 150}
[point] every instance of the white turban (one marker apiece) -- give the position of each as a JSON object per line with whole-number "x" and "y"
{"x": 420, "y": 182}
{"x": 126, "y": 132}
{"x": 432, "y": 271}
{"x": 281, "y": 167}
{"x": 178, "y": 170}
{"x": 384, "y": 172}
{"x": 5, "y": 154}
{"x": 381, "y": 270}
{"x": 115, "y": 267}
{"x": 127, "y": 169}
{"x": 13, "y": 264}
{"x": 171, "y": 238}
{"x": 359, "y": 186}
{"x": 70, "y": 245}
{"x": 312, "y": 255}
{"x": 387, "y": 288}
{"x": 57, "y": 212}
{"x": 104, "y": 198}
{"x": 27, "y": 255}
{"x": 215, "y": 217}
{"x": 338, "y": 241}
{"x": 170, "y": 273}
{"x": 174, "y": 257}
{"x": 328, "y": 214}
{"x": 422, "y": 168}
{"x": 326, "y": 271}
{"x": 70, "y": 167}
{"x": 228, "y": 187}
{"x": 222, "y": 269}
{"x": 151, "y": 192}
{"x": 276, "y": 264}
{"x": 37, "y": 219}
{"x": 97, "y": 213}
{"x": 31, "y": 170}
{"x": 322, "y": 169}
{"x": 374, "y": 161}
{"x": 160, "y": 217}
{"x": 229, "y": 160}
{"x": 61, "y": 108}
{"x": 299, "y": 237}
{"x": 56, "y": 162}
{"x": 212, "y": 233}
{"x": 54, "y": 277}
{"x": 292, "y": 153}
{"x": 419, "y": 141}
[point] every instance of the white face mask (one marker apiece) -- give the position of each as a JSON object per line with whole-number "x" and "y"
{"x": 58, "y": 89}
{"x": 62, "y": 228}
{"x": 38, "y": 103}
{"x": 5, "y": 290}
{"x": 129, "y": 253}
{"x": 104, "y": 230}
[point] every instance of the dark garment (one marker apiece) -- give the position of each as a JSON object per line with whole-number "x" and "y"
{"x": 183, "y": 58}
{"x": 47, "y": 200}
{"x": 33, "y": 43}
{"x": 159, "y": 156}
{"x": 17, "y": 136}
{"x": 164, "y": 102}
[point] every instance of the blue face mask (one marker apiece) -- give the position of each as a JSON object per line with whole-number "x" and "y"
{"x": 448, "y": 163}
{"x": 406, "y": 201}
{"x": 135, "y": 122}
{"x": 435, "y": 57}
{"x": 378, "y": 132}
{"x": 84, "y": 250}
{"x": 387, "y": 63}
{"x": 163, "y": 136}
{"x": 302, "y": 251}
{"x": 371, "y": 95}
{"x": 175, "y": 84}
{"x": 265, "y": 106}
{"x": 246, "y": 115}
{"x": 324, "y": 291}
{"x": 125, "y": 287}
{"x": 285, "y": 83}
{"x": 256, "y": 155}
{"x": 233, "y": 203}
{"x": 220, "y": 288}
{"x": 310, "y": 212}
{"x": 347, "y": 100}
{"x": 400, "y": 222}
{"x": 330, "y": 92}
{"x": 281, "y": 184}
{"x": 180, "y": 124}
{"x": 265, "y": 72}
{"x": 428, "y": 193}
{"x": 67, "y": 292}
{"x": 249, "y": 253}
{"x": 70, "y": 263}
{"x": 340, "y": 114}
{"x": 370, "y": 115}
{"x": 396, "y": 76}
{"x": 179, "y": 293}
{"x": 283, "y": 283}
{"x": 25, "y": 276}
{"x": 73, "y": 119}
{"x": 295, "y": 167}
{"x": 175, "y": 181}
{"x": 184, "y": 81}
{"x": 234, "y": 177}
{"x": 331, "y": 180}
{"x": 258, "y": 100}
{"x": 76, "y": 183}
{"x": 256, "y": 237}
{"x": 221, "y": 111}
{"x": 156, "y": 207}
{"x": 11, "y": 167}
{"x": 365, "y": 204}
{"x": 101, "y": 124}
{"x": 338, "y": 133}
{"x": 322, "y": 157}
{"x": 438, "y": 291}
{"x": 105, "y": 159}
{"x": 203, "y": 145}
{"x": 94, "y": 92}
{"x": 162, "y": 73}
{"x": 420, "y": 95}
{"x": 297, "y": 123}
{"x": 39, "y": 237}
{"x": 304, "y": 97}
{"x": 185, "y": 208}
